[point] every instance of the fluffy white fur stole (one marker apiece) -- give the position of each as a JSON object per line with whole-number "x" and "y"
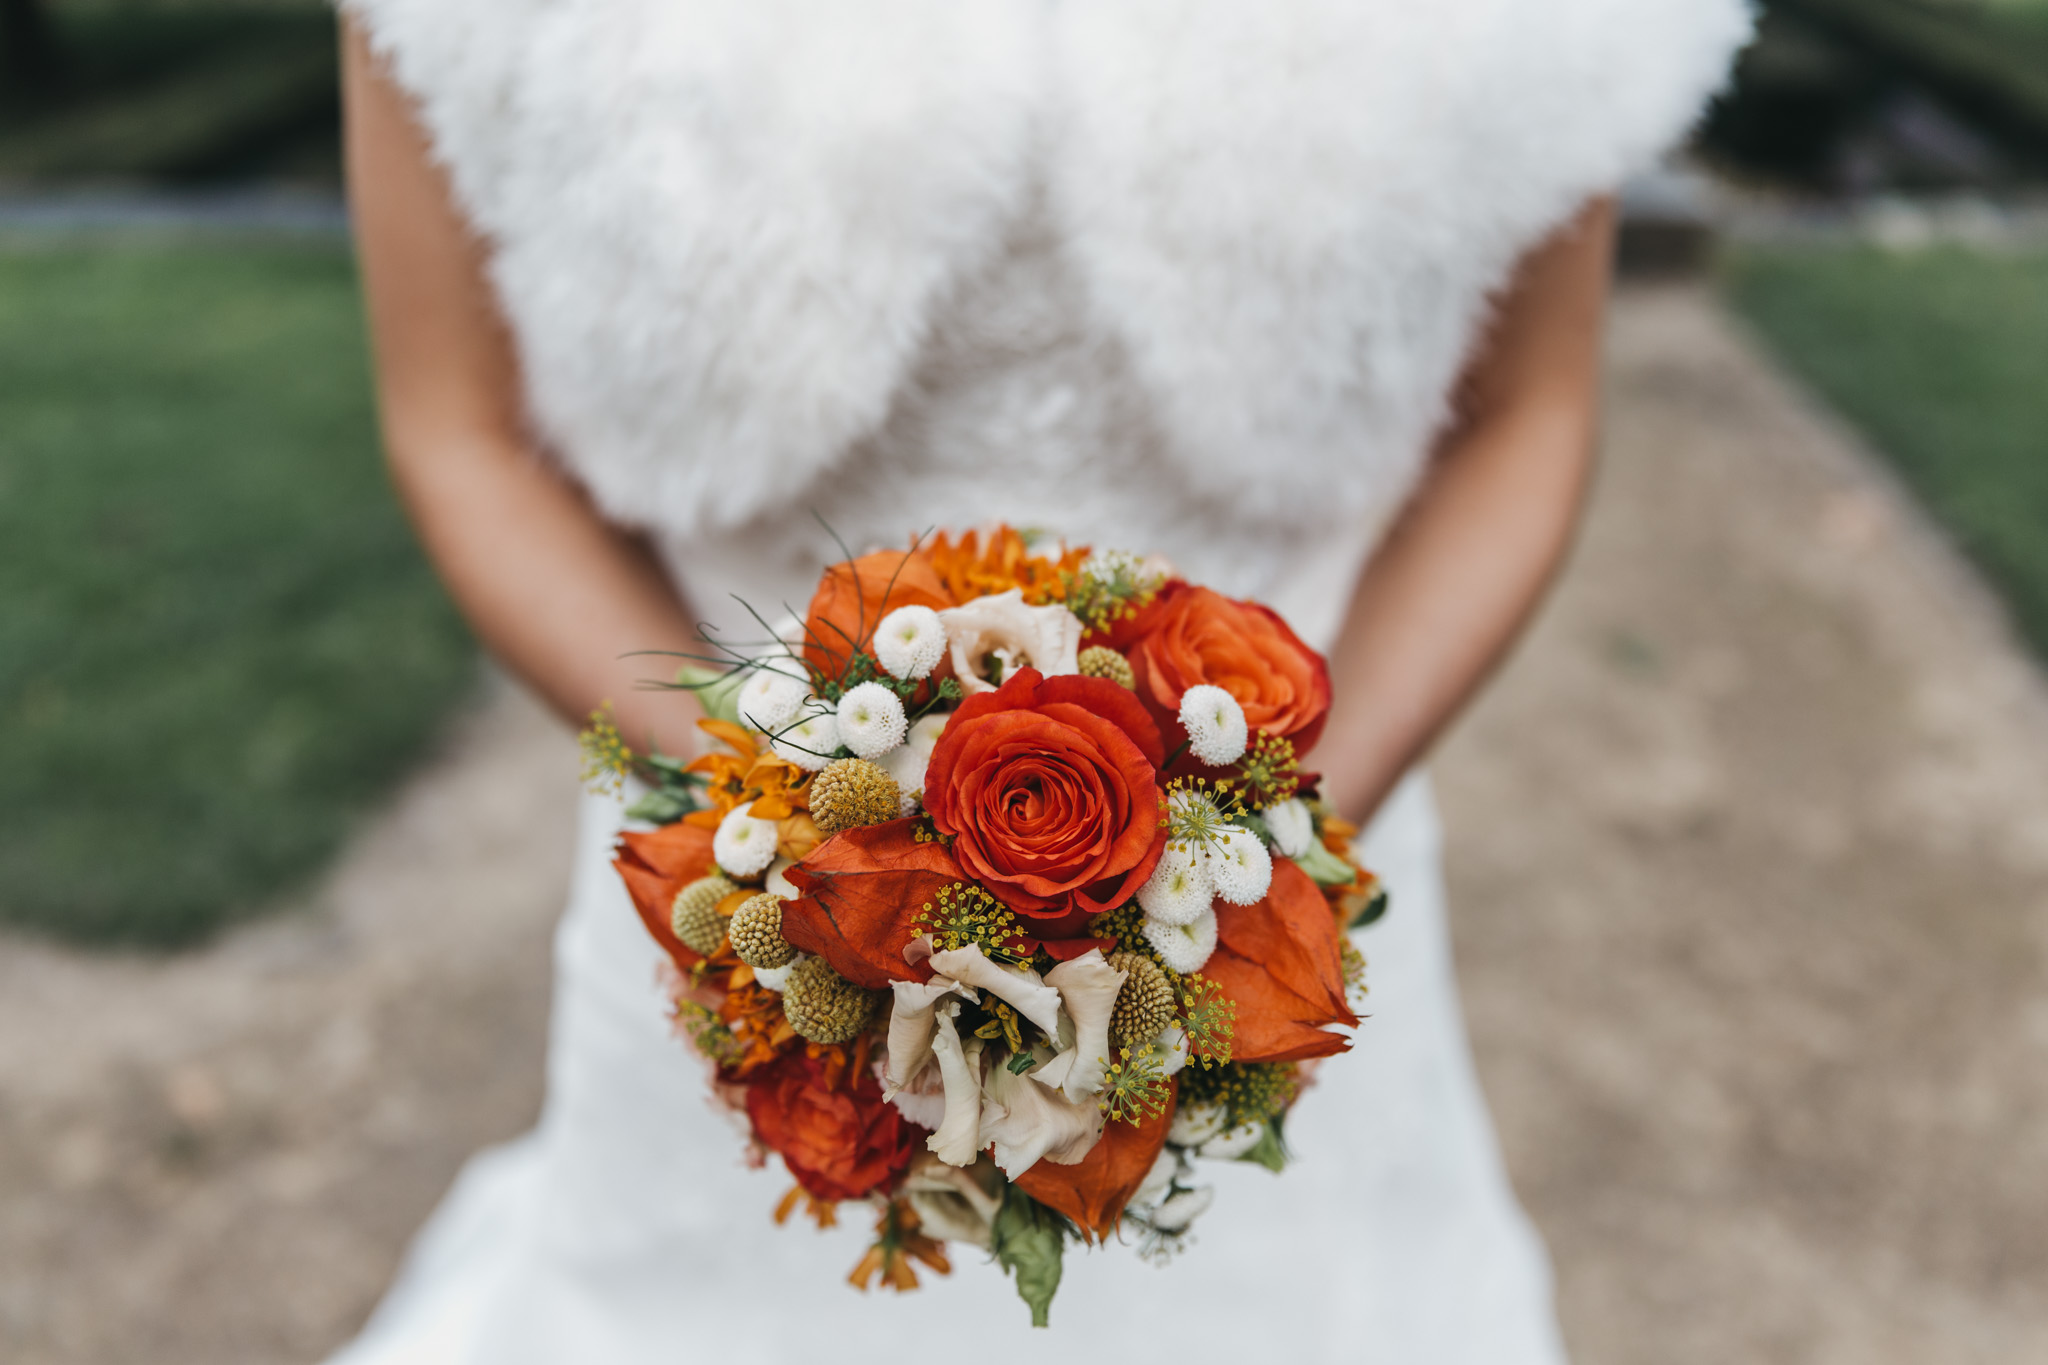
{"x": 719, "y": 226}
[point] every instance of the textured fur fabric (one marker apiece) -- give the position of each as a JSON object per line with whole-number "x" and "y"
{"x": 719, "y": 227}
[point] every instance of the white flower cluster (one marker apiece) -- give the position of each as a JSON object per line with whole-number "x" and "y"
{"x": 1207, "y": 858}
{"x": 988, "y": 639}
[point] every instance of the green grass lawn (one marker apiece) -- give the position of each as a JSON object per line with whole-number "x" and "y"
{"x": 1940, "y": 357}
{"x": 218, "y": 642}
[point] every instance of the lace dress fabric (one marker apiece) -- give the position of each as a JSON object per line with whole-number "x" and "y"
{"x": 627, "y": 1229}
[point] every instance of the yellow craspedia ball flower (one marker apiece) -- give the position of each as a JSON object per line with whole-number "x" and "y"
{"x": 853, "y": 792}
{"x": 1144, "y": 1004}
{"x": 1100, "y": 661}
{"x": 756, "y": 933}
{"x": 694, "y": 917}
{"x": 824, "y": 1006}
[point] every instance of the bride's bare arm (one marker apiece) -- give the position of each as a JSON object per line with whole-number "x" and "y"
{"x": 557, "y": 594}
{"x": 1470, "y": 557}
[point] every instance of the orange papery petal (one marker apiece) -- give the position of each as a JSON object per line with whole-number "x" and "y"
{"x": 679, "y": 851}
{"x": 654, "y": 866}
{"x": 1273, "y": 1023}
{"x": 860, "y": 889}
{"x": 854, "y": 596}
{"x": 1094, "y": 1192}
{"x": 1292, "y": 934}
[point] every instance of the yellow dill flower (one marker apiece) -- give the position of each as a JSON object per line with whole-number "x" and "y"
{"x": 607, "y": 761}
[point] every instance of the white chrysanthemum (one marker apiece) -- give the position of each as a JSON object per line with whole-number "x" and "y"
{"x": 871, "y": 720}
{"x": 908, "y": 760}
{"x": 910, "y": 642}
{"x": 777, "y": 880}
{"x": 810, "y": 743}
{"x": 743, "y": 845}
{"x": 770, "y": 699}
{"x": 1239, "y": 865}
{"x": 1215, "y": 723}
{"x": 1166, "y": 1167}
{"x": 1182, "y": 1209}
{"x": 1179, "y": 890}
{"x": 1184, "y": 947}
{"x": 1234, "y": 1143}
{"x": 1195, "y": 1124}
{"x": 776, "y": 978}
{"x": 1292, "y": 827}
{"x": 1173, "y": 1049}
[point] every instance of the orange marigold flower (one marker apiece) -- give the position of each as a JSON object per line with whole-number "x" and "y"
{"x": 970, "y": 569}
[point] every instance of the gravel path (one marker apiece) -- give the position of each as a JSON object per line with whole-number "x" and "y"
{"x": 1750, "y": 860}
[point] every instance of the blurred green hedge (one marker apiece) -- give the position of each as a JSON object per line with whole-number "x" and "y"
{"x": 218, "y": 641}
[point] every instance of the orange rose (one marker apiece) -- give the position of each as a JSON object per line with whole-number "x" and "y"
{"x": 1049, "y": 787}
{"x": 1193, "y": 635}
{"x": 839, "y": 1141}
{"x": 855, "y": 595}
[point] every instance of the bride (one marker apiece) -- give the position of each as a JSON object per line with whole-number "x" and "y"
{"x": 1305, "y": 295}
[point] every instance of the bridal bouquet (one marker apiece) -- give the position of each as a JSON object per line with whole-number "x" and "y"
{"x": 1005, "y": 901}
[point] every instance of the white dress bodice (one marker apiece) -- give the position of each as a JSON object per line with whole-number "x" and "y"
{"x": 1020, "y": 409}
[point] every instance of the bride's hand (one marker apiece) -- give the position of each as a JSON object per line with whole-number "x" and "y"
{"x": 556, "y": 593}
{"x": 1465, "y": 564}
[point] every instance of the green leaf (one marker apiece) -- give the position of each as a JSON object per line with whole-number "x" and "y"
{"x": 1029, "y": 1240}
{"x": 718, "y": 693}
{"x": 1256, "y": 823}
{"x": 1271, "y": 1151}
{"x": 661, "y": 807}
{"x": 1325, "y": 867}
{"x": 1369, "y": 913}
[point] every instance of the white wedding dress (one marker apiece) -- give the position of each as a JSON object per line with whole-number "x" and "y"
{"x": 626, "y": 1229}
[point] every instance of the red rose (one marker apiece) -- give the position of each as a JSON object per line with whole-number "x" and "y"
{"x": 1193, "y": 635}
{"x": 838, "y": 1142}
{"x": 1050, "y": 789}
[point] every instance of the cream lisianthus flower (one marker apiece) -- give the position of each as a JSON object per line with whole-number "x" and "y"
{"x": 1087, "y": 987}
{"x": 1000, "y": 633}
{"x": 1048, "y": 1112}
{"x": 1028, "y": 1120}
{"x": 958, "y": 1139}
{"x": 955, "y": 1204}
{"x": 1024, "y": 990}
{"x": 912, "y": 1021}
